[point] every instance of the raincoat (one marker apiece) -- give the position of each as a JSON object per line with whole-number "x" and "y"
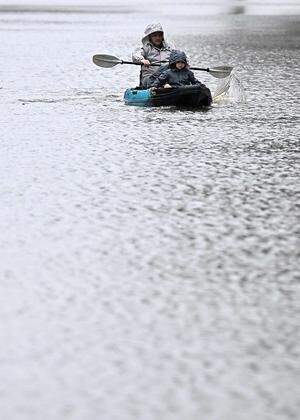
{"x": 154, "y": 54}
{"x": 174, "y": 76}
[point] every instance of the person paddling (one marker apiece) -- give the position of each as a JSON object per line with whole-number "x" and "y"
{"x": 178, "y": 73}
{"x": 155, "y": 49}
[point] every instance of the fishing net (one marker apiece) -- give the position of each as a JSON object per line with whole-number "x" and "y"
{"x": 230, "y": 89}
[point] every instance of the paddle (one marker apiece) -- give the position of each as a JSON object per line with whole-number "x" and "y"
{"x": 108, "y": 61}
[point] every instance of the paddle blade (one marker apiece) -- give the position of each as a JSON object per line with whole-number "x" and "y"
{"x": 107, "y": 61}
{"x": 221, "y": 71}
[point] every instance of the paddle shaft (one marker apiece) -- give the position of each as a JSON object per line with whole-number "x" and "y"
{"x": 158, "y": 65}
{"x": 108, "y": 61}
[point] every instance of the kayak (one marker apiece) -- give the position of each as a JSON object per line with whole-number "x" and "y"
{"x": 194, "y": 96}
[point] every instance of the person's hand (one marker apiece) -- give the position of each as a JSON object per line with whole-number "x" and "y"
{"x": 145, "y": 62}
{"x": 153, "y": 90}
{"x": 167, "y": 86}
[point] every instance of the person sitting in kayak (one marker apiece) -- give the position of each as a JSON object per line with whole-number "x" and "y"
{"x": 154, "y": 50}
{"x": 178, "y": 73}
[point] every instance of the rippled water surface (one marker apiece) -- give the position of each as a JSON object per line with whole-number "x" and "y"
{"x": 148, "y": 256}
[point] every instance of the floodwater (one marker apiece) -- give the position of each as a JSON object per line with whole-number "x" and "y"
{"x": 148, "y": 256}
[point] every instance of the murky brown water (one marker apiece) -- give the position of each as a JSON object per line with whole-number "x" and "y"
{"x": 148, "y": 256}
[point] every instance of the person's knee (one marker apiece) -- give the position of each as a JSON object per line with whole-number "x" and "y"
{"x": 147, "y": 82}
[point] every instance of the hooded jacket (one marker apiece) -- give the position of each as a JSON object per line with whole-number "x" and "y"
{"x": 149, "y": 52}
{"x": 174, "y": 76}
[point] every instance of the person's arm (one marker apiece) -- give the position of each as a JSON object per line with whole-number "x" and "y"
{"x": 193, "y": 79}
{"x": 138, "y": 56}
{"x": 161, "y": 80}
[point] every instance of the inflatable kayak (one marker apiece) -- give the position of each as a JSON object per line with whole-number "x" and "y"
{"x": 194, "y": 96}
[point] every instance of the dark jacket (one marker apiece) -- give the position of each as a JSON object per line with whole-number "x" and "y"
{"x": 176, "y": 77}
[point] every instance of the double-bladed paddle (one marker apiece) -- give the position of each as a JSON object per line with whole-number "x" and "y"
{"x": 108, "y": 61}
